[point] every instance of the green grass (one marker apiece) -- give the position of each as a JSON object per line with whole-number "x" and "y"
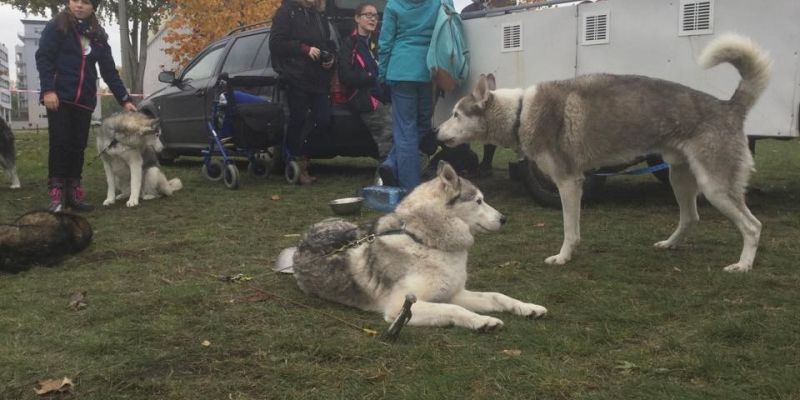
{"x": 626, "y": 321}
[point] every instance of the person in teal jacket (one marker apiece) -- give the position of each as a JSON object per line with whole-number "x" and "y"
{"x": 403, "y": 47}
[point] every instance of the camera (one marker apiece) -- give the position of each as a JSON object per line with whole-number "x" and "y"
{"x": 325, "y": 57}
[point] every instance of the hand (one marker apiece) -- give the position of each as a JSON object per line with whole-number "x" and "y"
{"x": 128, "y": 106}
{"x": 327, "y": 65}
{"x": 313, "y": 52}
{"x": 50, "y": 100}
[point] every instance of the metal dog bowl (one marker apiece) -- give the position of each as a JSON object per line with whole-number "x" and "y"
{"x": 347, "y": 205}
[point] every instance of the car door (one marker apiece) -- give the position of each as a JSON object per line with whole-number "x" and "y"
{"x": 183, "y": 113}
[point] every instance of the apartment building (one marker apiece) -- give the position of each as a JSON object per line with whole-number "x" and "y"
{"x": 5, "y": 84}
{"x": 30, "y": 114}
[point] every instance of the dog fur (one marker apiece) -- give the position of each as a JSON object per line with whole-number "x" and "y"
{"x": 571, "y": 126}
{"x": 8, "y": 154}
{"x": 128, "y": 144}
{"x": 421, "y": 248}
{"x": 42, "y": 237}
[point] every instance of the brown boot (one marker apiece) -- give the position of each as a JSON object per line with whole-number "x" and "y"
{"x": 304, "y": 178}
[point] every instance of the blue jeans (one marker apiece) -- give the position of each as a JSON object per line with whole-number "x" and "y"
{"x": 412, "y": 110}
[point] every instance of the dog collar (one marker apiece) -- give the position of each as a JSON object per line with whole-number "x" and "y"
{"x": 402, "y": 231}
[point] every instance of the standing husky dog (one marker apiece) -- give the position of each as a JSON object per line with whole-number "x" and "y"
{"x": 8, "y": 153}
{"x": 568, "y": 127}
{"x": 127, "y": 144}
{"x": 421, "y": 248}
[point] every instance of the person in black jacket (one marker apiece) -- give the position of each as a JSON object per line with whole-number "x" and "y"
{"x": 358, "y": 72}
{"x": 303, "y": 55}
{"x": 71, "y": 46}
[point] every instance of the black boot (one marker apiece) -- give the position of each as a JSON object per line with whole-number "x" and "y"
{"x": 76, "y": 196}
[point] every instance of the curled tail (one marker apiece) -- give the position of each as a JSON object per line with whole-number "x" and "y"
{"x": 752, "y": 62}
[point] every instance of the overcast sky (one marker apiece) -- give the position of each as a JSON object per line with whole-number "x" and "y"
{"x": 11, "y": 27}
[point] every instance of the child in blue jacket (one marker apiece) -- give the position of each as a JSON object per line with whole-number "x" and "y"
{"x": 71, "y": 46}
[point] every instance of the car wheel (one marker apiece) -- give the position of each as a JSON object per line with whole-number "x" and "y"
{"x": 545, "y": 192}
{"x": 213, "y": 170}
{"x": 231, "y": 176}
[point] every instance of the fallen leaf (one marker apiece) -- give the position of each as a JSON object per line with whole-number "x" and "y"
{"x": 512, "y": 352}
{"x": 206, "y": 343}
{"x": 512, "y": 264}
{"x": 539, "y": 224}
{"x": 48, "y": 386}
{"x": 275, "y": 197}
{"x": 78, "y": 301}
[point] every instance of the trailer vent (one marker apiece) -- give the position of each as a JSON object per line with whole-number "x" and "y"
{"x": 696, "y": 18}
{"x": 595, "y": 29}
{"x": 512, "y": 37}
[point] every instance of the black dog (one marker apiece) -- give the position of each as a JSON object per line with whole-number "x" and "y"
{"x": 8, "y": 154}
{"x": 42, "y": 237}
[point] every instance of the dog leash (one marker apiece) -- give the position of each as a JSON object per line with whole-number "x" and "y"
{"x": 110, "y": 145}
{"x": 638, "y": 171}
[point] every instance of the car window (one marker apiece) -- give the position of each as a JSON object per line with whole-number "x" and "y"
{"x": 204, "y": 66}
{"x": 242, "y": 53}
{"x": 262, "y": 58}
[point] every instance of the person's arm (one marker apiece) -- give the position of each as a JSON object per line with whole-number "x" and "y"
{"x": 386, "y": 42}
{"x": 281, "y": 42}
{"x": 49, "y": 45}
{"x": 108, "y": 70}
{"x": 350, "y": 72}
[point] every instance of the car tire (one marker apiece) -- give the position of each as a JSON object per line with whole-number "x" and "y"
{"x": 544, "y": 191}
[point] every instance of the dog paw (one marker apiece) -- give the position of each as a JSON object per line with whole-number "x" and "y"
{"x": 485, "y": 324}
{"x": 738, "y": 268}
{"x": 132, "y": 203}
{"x": 557, "y": 259}
{"x": 665, "y": 244}
{"x": 108, "y": 202}
{"x": 15, "y": 186}
{"x": 531, "y": 311}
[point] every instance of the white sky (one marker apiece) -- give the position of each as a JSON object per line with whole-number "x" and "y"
{"x": 11, "y": 27}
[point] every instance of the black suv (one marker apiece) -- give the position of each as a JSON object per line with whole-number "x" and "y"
{"x": 184, "y": 107}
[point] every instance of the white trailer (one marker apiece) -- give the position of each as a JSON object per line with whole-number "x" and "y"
{"x": 557, "y": 39}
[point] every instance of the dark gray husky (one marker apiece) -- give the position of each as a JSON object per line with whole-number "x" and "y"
{"x": 8, "y": 154}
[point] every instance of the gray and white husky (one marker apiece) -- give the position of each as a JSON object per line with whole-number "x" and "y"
{"x": 421, "y": 249}
{"x": 127, "y": 144}
{"x": 571, "y": 126}
{"x": 8, "y": 154}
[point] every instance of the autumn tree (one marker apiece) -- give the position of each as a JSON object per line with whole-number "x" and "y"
{"x": 196, "y": 23}
{"x": 140, "y": 17}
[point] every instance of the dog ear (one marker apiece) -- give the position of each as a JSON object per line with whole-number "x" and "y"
{"x": 490, "y": 81}
{"x": 482, "y": 92}
{"x": 448, "y": 175}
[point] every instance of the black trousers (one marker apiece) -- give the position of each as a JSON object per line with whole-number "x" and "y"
{"x": 300, "y": 104}
{"x": 68, "y": 129}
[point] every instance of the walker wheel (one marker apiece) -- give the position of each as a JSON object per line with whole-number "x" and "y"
{"x": 212, "y": 170}
{"x": 258, "y": 167}
{"x": 292, "y": 172}
{"x": 231, "y": 177}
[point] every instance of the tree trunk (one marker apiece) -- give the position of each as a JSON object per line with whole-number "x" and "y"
{"x": 125, "y": 43}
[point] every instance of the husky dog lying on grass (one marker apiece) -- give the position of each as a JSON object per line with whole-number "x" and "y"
{"x": 42, "y": 237}
{"x": 421, "y": 248}
{"x": 8, "y": 154}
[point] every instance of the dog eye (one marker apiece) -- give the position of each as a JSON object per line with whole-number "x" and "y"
{"x": 479, "y": 201}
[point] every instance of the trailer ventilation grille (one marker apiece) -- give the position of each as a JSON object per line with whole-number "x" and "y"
{"x": 696, "y": 18}
{"x": 595, "y": 29}
{"x": 512, "y": 37}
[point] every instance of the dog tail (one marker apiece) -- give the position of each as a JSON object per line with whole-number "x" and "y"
{"x": 285, "y": 261}
{"x": 175, "y": 184}
{"x": 752, "y": 62}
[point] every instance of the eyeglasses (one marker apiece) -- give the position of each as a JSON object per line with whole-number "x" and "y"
{"x": 369, "y": 15}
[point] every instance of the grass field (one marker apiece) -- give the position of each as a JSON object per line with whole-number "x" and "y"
{"x": 626, "y": 321}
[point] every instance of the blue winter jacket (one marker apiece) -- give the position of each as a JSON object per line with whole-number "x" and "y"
{"x": 64, "y": 68}
{"x": 405, "y": 37}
